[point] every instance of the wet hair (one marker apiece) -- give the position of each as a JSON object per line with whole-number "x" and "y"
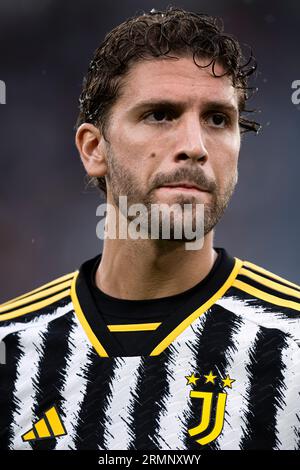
{"x": 161, "y": 34}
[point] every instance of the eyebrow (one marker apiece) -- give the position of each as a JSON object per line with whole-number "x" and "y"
{"x": 178, "y": 105}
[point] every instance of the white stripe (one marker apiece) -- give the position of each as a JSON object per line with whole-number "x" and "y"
{"x": 172, "y": 430}
{"x": 263, "y": 316}
{"x": 117, "y": 435}
{"x": 31, "y": 343}
{"x": 288, "y": 415}
{"x": 237, "y": 403}
{"x": 75, "y": 384}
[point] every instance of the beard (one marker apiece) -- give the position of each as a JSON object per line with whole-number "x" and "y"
{"x": 122, "y": 182}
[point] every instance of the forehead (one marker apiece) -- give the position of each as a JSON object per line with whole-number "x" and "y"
{"x": 180, "y": 79}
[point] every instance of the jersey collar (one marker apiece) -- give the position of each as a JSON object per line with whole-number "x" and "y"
{"x": 213, "y": 287}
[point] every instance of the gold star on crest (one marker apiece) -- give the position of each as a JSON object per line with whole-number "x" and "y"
{"x": 227, "y": 382}
{"x": 210, "y": 378}
{"x": 191, "y": 379}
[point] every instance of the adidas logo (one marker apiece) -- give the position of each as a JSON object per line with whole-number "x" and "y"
{"x": 50, "y": 425}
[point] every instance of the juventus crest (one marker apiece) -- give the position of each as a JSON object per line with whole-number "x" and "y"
{"x": 209, "y": 403}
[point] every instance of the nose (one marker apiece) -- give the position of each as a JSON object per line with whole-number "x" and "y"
{"x": 190, "y": 138}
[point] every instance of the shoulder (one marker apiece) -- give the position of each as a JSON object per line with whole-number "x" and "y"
{"x": 265, "y": 285}
{"x": 261, "y": 296}
{"x": 44, "y": 299}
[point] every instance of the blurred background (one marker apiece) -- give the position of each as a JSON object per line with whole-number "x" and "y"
{"x": 48, "y": 216}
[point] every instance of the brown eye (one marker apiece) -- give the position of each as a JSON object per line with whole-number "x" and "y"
{"x": 217, "y": 120}
{"x": 159, "y": 115}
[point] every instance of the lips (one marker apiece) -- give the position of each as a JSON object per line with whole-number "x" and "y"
{"x": 184, "y": 186}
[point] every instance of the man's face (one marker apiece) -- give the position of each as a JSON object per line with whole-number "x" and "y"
{"x": 174, "y": 123}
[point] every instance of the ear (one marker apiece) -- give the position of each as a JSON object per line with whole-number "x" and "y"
{"x": 91, "y": 144}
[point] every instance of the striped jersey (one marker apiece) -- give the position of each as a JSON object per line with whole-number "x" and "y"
{"x": 216, "y": 367}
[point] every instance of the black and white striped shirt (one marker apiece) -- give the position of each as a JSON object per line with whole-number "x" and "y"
{"x": 220, "y": 371}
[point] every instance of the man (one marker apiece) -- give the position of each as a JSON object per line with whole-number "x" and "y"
{"x": 151, "y": 345}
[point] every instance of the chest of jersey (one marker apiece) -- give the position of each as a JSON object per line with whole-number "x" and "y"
{"x": 208, "y": 389}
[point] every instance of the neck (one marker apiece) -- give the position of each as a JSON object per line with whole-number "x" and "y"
{"x": 149, "y": 269}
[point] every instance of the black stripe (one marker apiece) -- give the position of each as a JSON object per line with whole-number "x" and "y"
{"x": 266, "y": 392}
{"x": 51, "y": 378}
{"x": 212, "y": 350}
{"x": 8, "y": 377}
{"x": 269, "y": 277}
{"x": 147, "y": 402}
{"x": 92, "y": 417}
{"x": 298, "y": 435}
{"x": 267, "y": 289}
{"x": 32, "y": 303}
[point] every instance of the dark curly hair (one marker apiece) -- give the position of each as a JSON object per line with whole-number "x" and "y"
{"x": 156, "y": 34}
